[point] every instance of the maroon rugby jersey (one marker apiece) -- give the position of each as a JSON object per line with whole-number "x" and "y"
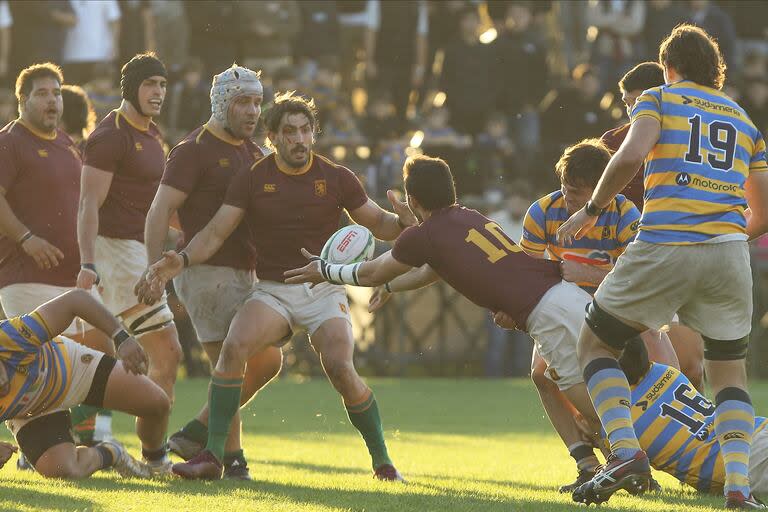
{"x": 136, "y": 158}
{"x": 202, "y": 166}
{"x": 635, "y": 189}
{"x": 471, "y": 253}
{"x": 290, "y": 209}
{"x": 41, "y": 177}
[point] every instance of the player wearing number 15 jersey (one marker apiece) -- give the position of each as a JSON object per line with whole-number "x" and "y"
{"x": 705, "y": 165}
{"x": 472, "y": 254}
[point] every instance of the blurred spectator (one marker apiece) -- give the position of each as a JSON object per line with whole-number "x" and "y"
{"x": 755, "y": 102}
{"x": 661, "y": 17}
{"x": 575, "y": 111}
{"x": 171, "y": 32}
{"x": 467, "y": 77}
{"x": 341, "y": 129}
{"x": 189, "y": 103}
{"x": 380, "y": 122}
{"x": 521, "y": 47}
{"x": 325, "y": 87}
{"x": 495, "y": 150}
{"x": 397, "y": 53}
{"x": 284, "y": 79}
{"x": 356, "y": 37}
{"x": 444, "y": 19}
{"x": 39, "y": 31}
{"x": 752, "y": 36}
{"x": 616, "y": 42}
{"x": 6, "y": 21}
{"x": 438, "y": 132}
{"x": 138, "y": 33}
{"x": 718, "y": 24}
{"x": 78, "y": 118}
{"x": 92, "y": 40}
{"x": 269, "y": 28}
{"x": 318, "y": 39}
{"x": 8, "y": 107}
{"x": 104, "y": 94}
{"x": 213, "y": 33}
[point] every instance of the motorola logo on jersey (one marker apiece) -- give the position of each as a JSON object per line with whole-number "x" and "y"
{"x": 683, "y": 179}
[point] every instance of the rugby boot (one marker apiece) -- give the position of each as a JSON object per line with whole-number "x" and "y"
{"x": 160, "y": 468}
{"x": 737, "y": 500}
{"x": 125, "y": 465}
{"x": 633, "y": 475}
{"x": 388, "y": 473}
{"x": 183, "y": 446}
{"x": 203, "y": 466}
{"x": 236, "y": 469}
{"x": 583, "y": 477}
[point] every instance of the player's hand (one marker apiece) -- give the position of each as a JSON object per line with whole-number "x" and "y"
{"x": 401, "y": 209}
{"x": 133, "y": 357}
{"x": 145, "y": 292}
{"x": 309, "y": 273}
{"x": 164, "y": 269}
{"x": 378, "y": 299}
{"x": 5, "y": 382}
{"x": 6, "y": 452}
{"x": 575, "y": 227}
{"x": 46, "y": 255}
{"x": 575, "y": 272}
{"x": 87, "y": 278}
{"x": 504, "y": 321}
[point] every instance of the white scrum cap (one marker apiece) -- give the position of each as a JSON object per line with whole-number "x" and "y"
{"x": 230, "y": 84}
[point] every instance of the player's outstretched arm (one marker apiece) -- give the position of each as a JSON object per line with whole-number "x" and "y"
{"x": 383, "y": 224}
{"x": 756, "y": 191}
{"x": 59, "y": 313}
{"x": 412, "y": 280}
{"x": 370, "y": 273}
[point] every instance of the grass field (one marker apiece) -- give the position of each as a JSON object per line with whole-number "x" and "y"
{"x": 463, "y": 445}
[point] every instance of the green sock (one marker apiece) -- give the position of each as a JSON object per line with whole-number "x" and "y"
{"x": 365, "y": 417}
{"x": 82, "y": 412}
{"x": 196, "y": 431}
{"x": 224, "y": 403}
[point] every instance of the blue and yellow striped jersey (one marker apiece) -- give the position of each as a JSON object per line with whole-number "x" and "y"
{"x": 614, "y": 230}
{"x": 38, "y": 368}
{"x": 675, "y": 427}
{"x": 694, "y": 176}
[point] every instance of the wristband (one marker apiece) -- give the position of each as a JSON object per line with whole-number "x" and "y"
{"x": 185, "y": 257}
{"x": 388, "y": 288}
{"x": 120, "y": 336}
{"x": 92, "y": 268}
{"x": 592, "y": 209}
{"x": 26, "y": 236}
{"x": 340, "y": 273}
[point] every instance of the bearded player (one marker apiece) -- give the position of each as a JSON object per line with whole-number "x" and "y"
{"x": 291, "y": 199}
{"x": 122, "y": 166}
{"x": 197, "y": 175}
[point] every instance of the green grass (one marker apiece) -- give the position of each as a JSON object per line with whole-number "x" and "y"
{"x": 463, "y": 445}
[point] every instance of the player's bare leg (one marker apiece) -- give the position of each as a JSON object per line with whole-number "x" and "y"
{"x": 689, "y": 347}
{"x": 255, "y": 327}
{"x": 334, "y": 343}
{"x": 561, "y": 414}
{"x": 133, "y": 394}
{"x": 660, "y": 348}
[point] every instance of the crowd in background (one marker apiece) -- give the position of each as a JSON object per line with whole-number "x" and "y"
{"x": 497, "y": 88}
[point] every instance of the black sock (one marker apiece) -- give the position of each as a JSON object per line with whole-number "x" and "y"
{"x": 154, "y": 454}
{"x": 107, "y": 456}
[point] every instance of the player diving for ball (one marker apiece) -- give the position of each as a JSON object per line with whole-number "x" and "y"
{"x": 43, "y": 374}
{"x": 291, "y": 199}
{"x": 471, "y": 253}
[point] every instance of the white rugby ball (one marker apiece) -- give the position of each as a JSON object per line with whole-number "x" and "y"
{"x": 350, "y": 244}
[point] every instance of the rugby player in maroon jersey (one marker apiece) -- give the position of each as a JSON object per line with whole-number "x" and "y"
{"x": 291, "y": 199}
{"x": 122, "y": 164}
{"x": 197, "y": 174}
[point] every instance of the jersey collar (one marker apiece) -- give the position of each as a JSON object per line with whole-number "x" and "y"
{"x": 291, "y": 171}
{"x": 38, "y": 133}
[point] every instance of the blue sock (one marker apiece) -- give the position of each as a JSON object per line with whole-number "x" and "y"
{"x": 734, "y": 423}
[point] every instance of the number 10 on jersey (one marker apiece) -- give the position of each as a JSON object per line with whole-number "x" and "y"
{"x": 493, "y": 252}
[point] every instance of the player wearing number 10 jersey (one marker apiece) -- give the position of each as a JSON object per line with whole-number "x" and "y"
{"x": 472, "y": 254}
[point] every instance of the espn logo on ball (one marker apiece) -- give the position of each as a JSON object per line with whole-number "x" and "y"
{"x": 350, "y": 244}
{"x": 346, "y": 241}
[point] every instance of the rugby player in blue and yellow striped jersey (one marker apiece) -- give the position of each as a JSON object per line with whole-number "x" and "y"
{"x": 43, "y": 374}
{"x": 675, "y": 426}
{"x": 585, "y": 263}
{"x": 706, "y": 193}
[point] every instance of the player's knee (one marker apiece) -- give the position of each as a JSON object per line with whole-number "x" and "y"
{"x": 725, "y": 350}
{"x": 338, "y": 369}
{"x": 65, "y": 469}
{"x": 609, "y": 330}
{"x": 159, "y": 405}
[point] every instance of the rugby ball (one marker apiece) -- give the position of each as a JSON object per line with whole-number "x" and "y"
{"x": 350, "y": 244}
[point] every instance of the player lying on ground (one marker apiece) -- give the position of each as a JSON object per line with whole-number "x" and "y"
{"x": 43, "y": 374}
{"x": 585, "y": 263}
{"x": 472, "y": 254}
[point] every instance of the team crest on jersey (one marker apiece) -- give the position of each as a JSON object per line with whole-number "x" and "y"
{"x": 86, "y": 358}
{"x": 635, "y": 225}
{"x": 270, "y": 187}
{"x": 320, "y": 188}
{"x": 24, "y": 330}
{"x": 223, "y": 162}
{"x": 43, "y": 153}
{"x": 138, "y": 146}
{"x": 606, "y": 232}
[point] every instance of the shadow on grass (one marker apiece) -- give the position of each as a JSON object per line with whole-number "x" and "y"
{"x": 52, "y": 501}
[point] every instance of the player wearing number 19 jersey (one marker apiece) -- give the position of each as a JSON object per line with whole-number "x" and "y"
{"x": 705, "y": 161}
